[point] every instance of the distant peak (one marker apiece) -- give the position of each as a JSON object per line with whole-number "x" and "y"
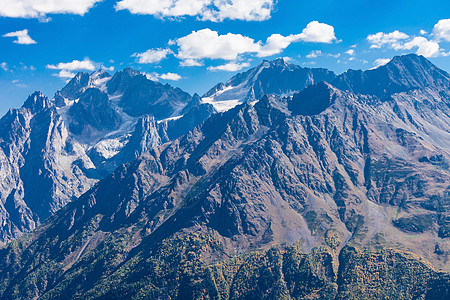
{"x": 81, "y": 74}
{"x": 99, "y": 74}
{"x": 408, "y": 59}
{"x": 279, "y": 61}
{"x": 410, "y": 56}
{"x": 36, "y": 94}
{"x": 130, "y": 72}
{"x": 80, "y": 77}
{"x": 99, "y": 71}
{"x": 401, "y": 74}
{"x": 264, "y": 64}
{"x": 36, "y": 102}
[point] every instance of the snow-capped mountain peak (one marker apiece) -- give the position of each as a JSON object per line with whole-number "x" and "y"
{"x": 269, "y": 77}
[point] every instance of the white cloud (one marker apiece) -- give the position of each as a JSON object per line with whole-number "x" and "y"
{"x": 254, "y": 10}
{"x": 152, "y": 56}
{"x": 442, "y": 30}
{"x": 424, "y": 47}
{"x": 66, "y": 69}
{"x": 381, "y": 39}
{"x": 316, "y": 32}
{"x": 85, "y": 64}
{"x": 190, "y": 63}
{"x": 230, "y": 67}
{"x": 64, "y": 74}
{"x": 350, "y": 52}
{"x": 22, "y": 36}
{"x": 380, "y": 62}
{"x": 168, "y": 76}
{"x": 275, "y": 44}
{"x": 423, "y": 32}
{"x": 314, "y": 54}
{"x": 317, "y": 53}
{"x": 39, "y": 8}
{"x": 208, "y": 44}
{"x": 163, "y": 8}
{"x": 208, "y": 10}
{"x": 152, "y": 76}
{"x": 400, "y": 41}
{"x": 4, "y": 66}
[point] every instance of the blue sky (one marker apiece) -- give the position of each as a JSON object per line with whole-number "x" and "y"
{"x": 194, "y": 44}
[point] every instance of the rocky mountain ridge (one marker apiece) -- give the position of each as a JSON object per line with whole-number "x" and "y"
{"x": 329, "y": 193}
{"x": 53, "y": 150}
{"x": 401, "y": 74}
{"x": 97, "y": 114}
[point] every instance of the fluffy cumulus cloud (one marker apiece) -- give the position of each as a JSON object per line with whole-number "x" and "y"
{"x": 211, "y": 10}
{"x": 401, "y": 41}
{"x": 85, "y": 64}
{"x": 167, "y": 76}
{"x": 424, "y": 47}
{"x": 40, "y": 8}
{"x": 350, "y": 52}
{"x": 190, "y": 62}
{"x": 230, "y": 67}
{"x": 441, "y": 30}
{"x": 4, "y": 66}
{"x": 209, "y": 44}
{"x": 67, "y": 69}
{"x": 206, "y": 43}
{"x": 316, "y": 32}
{"x": 152, "y": 56}
{"x": 254, "y": 10}
{"x": 393, "y": 39}
{"x": 275, "y": 44}
{"x": 22, "y": 37}
{"x": 170, "y": 76}
{"x": 314, "y": 54}
{"x": 64, "y": 74}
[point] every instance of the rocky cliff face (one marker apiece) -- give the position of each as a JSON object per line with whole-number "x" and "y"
{"x": 41, "y": 170}
{"x": 53, "y": 150}
{"x": 326, "y": 194}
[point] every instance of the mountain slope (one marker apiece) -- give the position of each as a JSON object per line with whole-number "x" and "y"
{"x": 100, "y": 113}
{"x": 276, "y": 77}
{"x": 401, "y": 74}
{"x": 53, "y": 150}
{"x": 281, "y": 198}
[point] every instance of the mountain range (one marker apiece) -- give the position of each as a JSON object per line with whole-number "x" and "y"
{"x": 284, "y": 182}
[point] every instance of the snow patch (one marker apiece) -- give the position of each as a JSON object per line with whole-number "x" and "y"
{"x": 170, "y": 119}
{"x": 110, "y": 147}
